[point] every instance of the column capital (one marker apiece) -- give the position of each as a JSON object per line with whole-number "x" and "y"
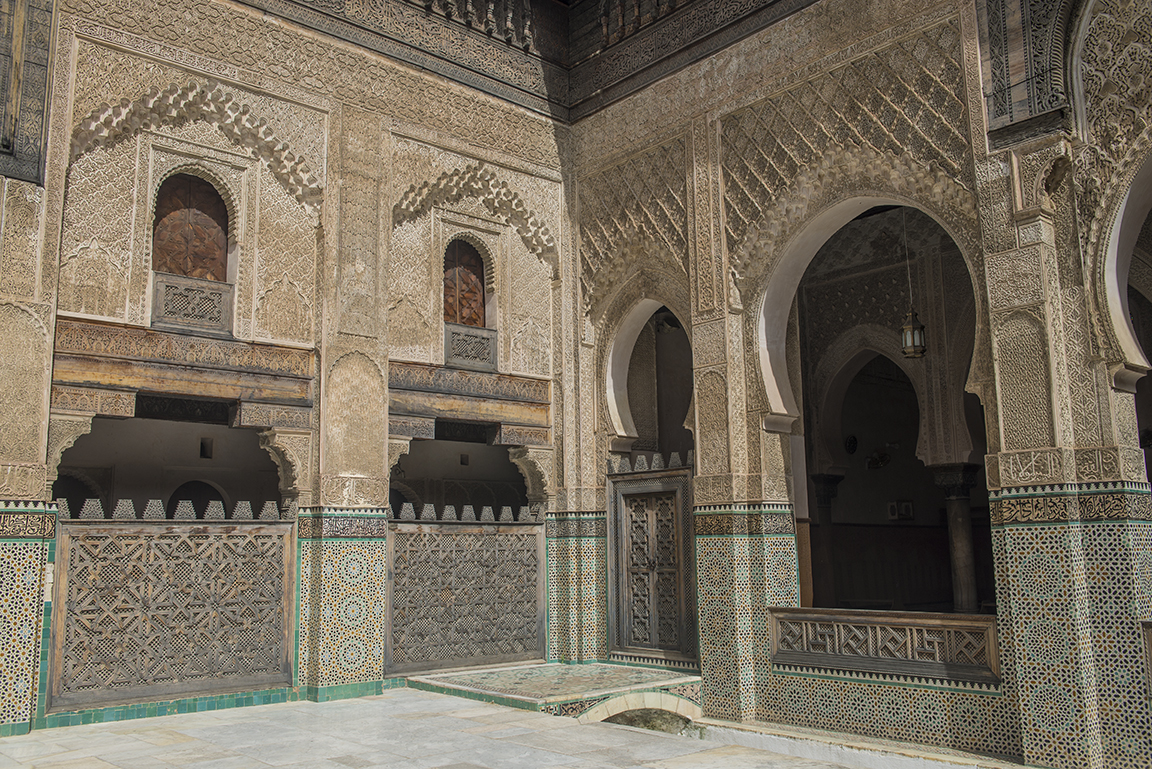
{"x": 956, "y": 480}
{"x": 825, "y": 487}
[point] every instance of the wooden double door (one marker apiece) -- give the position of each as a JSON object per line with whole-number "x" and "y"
{"x": 653, "y": 610}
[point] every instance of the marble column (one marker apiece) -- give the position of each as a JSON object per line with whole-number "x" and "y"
{"x": 957, "y": 482}
{"x": 823, "y": 578}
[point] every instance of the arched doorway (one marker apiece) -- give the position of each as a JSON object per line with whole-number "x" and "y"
{"x": 894, "y": 457}
{"x": 652, "y": 611}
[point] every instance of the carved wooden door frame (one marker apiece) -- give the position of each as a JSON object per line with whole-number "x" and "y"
{"x": 679, "y": 482}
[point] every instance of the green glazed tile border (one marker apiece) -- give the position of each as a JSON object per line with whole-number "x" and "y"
{"x": 349, "y": 512}
{"x": 200, "y": 704}
{"x": 495, "y": 699}
{"x": 165, "y": 708}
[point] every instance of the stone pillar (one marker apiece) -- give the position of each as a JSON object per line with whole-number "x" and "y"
{"x": 823, "y": 574}
{"x": 354, "y": 347}
{"x": 341, "y": 642}
{"x": 1071, "y": 519}
{"x": 957, "y": 482}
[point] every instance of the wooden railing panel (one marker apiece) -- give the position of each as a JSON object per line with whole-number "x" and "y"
{"x": 947, "y": 646}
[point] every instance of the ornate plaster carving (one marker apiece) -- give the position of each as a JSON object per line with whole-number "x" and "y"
{"x": 536, "y": 465}
{"x": 291, "y": 450}
{"x": 63, "y": 431}
{"x": 176, "y": 105}
{"x": 480, "y": 182}
{"x": 851, "y": 171}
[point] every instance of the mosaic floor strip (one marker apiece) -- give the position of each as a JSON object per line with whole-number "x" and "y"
{"x": 552, "y": 682}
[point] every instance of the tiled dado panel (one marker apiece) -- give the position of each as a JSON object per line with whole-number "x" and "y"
{"x": 26, "y": 529}
{"x": 1074, "y": 584}
{"x": 929, "y": 713}
{"x": 577, "y": 586}
{"x": 340, "y": 632}
{"x": 745, "y": 563}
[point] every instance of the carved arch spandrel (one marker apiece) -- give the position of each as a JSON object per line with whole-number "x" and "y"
{"x": 536, "y": 465}
{"x": 63, "y": 431}
{"x": 842, "y": 174}
{"x": 768, "y": 292}
{"x": 480, "y": 182}
{"x": 291, "y": 450}
{"x": 617, "y": 326}
{"x": 175, "y": 106}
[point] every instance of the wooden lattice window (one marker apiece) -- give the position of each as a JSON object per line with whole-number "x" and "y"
{"x": 190, "y": 231}
{"x": 463, "y": 284}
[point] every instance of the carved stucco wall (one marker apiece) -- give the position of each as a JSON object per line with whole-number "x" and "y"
{"x": 105, "y": 262}
{"x": 507, "y": 216}
{"x": 25, "y": 359}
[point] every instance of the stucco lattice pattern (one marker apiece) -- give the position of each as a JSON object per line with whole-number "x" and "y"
{"x": 21, "y": 614}
{"x": 904, "y": 98}
{"x": 341, "y": 612}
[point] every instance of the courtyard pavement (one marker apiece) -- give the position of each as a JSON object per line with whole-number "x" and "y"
{"x": 399, "y": 729}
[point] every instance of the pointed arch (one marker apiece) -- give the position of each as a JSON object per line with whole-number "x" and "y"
{"x": 778, "y": 263}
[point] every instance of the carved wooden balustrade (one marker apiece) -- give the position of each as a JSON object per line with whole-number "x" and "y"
{"x": 469, "y": 347}
{"x": 960, "y": 647}
{"x": 181, "y": 303}
{"x": 465, "y": 587}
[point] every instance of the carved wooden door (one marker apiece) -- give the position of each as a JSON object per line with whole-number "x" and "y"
{"x": 653, "y": 597}
{"x": 463, "y": 285}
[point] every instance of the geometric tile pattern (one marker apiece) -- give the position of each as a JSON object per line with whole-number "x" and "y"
{"x": 1074, "y": 581}
{"x": 1119, "y": 569}
{"x": 563, "y": 690}
{"x": 21, "y": 613}
{"x": 551, "y": 680}
{"x": 577, "y": 586}
{"x": 1046, "y": 587}
{"x": 465, "y": 595}
{"x": 946, "y": 713}
{"x": 739, "y": 576}
{"x": 977, "y": 721}
{"x": 342, "y": 612}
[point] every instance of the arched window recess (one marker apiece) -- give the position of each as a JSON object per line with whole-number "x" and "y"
{"x": 190, "y": 258}
{"x": 469, "y": 339}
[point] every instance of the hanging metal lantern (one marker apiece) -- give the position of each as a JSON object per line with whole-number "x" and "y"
{"x": 912, "y": 336}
